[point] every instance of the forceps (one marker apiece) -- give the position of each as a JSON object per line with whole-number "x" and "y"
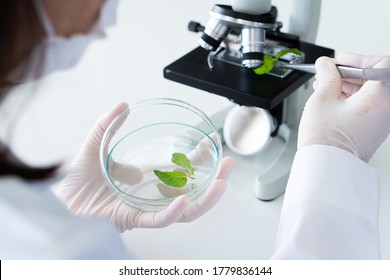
{"x": 373, "y": 74}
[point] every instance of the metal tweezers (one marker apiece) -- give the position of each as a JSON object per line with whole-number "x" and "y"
{"x": 373, "y": 74}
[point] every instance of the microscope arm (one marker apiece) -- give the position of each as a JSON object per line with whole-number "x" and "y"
{"x": 304, "y": 19}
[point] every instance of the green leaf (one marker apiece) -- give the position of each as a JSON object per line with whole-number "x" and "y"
{"x": 284, "y": 52}
{"x": 268, "y": 64}
{"x": 182, "y": 160}
{"x": 175, "y": 179}
{"x": 269, "y": 61}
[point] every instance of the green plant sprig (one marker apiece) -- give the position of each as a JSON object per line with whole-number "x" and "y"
{"x": 269, "y": 61}
{"x": 177, "y": 178}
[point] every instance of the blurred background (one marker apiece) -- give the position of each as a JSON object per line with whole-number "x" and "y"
{"x": 128, "y": 66}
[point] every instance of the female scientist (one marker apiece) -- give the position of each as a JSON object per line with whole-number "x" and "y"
{"x": 331, "y": 203}
{"x": 38, "y": 37}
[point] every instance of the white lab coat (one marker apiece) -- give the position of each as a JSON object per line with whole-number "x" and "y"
{"x": 331, "y": 207}
{"x": 330, "y": 212}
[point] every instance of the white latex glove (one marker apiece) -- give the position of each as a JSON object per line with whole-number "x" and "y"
{"x": 85, "y": 192}
{"x": 350, "y": 114}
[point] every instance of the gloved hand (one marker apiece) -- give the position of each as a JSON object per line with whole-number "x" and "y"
{"x": 85, "y": 192}
{"x": 350, "y": 114}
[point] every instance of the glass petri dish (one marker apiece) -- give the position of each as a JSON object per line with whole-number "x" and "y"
{"x": 143, "y": 139}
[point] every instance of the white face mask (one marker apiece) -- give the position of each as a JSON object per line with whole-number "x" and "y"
{"x": 60, "y": 53}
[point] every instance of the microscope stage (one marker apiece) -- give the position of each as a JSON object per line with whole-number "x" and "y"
{"x": 239, "y": 84}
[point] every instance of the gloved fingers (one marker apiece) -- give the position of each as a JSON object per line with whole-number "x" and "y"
{"x": 227, "y": 165}
{"x": 92, "y": 144}
{"x": 372, "y": 93}
{"x": 160, "y": 219}
{"x": 351, "y": 87}
{"x": 363, "y": 61}
{"x": 201, "y": 151}
{"x": 372, "y": 96}
{"x": 125, "y": 173}
{"x": 315, "y": 83}
{"x": 384, "y": 62}
{"x": 328, "y": 79}
{"x": 104, "y": 121}
{"x": 211, "y": 197}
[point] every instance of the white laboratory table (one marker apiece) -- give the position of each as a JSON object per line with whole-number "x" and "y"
{"x": 239, "y": 227}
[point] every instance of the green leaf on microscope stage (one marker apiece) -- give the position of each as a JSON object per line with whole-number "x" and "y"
{"x": 268, "y": 64}
{"x": 269, "y": 61}
{"x": 175, "y": 179}
{"x": 288, "y": 51}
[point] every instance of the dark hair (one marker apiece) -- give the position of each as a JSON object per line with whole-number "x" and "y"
{"x": 20, "y": 32}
